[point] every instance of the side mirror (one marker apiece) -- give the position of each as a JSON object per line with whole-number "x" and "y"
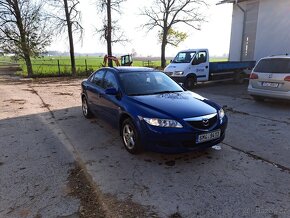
{"x": 111, "y": 91}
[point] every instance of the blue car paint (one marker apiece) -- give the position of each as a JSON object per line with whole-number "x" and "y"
{"x": 182, "y": 104}
{"x": 175, "y": 106}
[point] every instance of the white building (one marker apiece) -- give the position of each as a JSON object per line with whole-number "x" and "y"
{"x": 259, "y": 28}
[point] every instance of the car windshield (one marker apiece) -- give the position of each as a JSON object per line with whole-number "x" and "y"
{"x": 273, "y": 65}
{"x": 184, "y": 57}
{"x": 147, "y": 83}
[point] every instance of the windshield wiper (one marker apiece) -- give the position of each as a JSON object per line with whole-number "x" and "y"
{"x": 154, "y": 93}
{"x": 164, "y": 92}
{"x": 135, "y": 94}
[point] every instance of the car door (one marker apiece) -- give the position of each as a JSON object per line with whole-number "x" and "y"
{"x": 201, "y": 64}
{"x": 110, "y": 103}
{"x": 94, "y": 90}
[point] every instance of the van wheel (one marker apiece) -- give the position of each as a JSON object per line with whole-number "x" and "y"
{"x": 239, "y": 78}
{"x": 190, "y": 82}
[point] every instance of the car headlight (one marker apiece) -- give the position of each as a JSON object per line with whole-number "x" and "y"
{"x": 221, "y": 114}
{"x": 163, "y": 122}
{"x": 178, "y": 73}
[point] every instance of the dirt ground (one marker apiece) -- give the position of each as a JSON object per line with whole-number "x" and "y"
{"x": 82, "y": 163}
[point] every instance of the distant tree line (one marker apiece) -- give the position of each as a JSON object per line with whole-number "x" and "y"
{"x": 27, "y": 27}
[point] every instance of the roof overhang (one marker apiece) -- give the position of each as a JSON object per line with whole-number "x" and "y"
{"x": 231, "y": 1}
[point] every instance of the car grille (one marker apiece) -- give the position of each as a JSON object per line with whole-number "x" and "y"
{"x": 203, "y": 122}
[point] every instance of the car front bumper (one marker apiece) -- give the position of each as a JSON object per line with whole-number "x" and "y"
{"x": 177, "y": 140}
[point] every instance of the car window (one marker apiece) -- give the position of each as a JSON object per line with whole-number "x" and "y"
{"x": 200, "y": 57}
{"x": 110, "y": 81}
{"x": 183, "y": 57}
{"x": 98, "y": 78}
{"x": 146, "y": 83}
{"x": 273, "y": 65}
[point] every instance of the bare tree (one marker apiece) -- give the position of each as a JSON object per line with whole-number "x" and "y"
{"x": 68, "y": 18}
{"x": 166, "y": 14}
{"x": 23, "y": 29}
{"x": 110, "y": 30}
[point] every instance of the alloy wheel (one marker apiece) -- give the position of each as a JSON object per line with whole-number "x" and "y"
{"x": 128, "y": 136}
{"x": 85, "y": 106}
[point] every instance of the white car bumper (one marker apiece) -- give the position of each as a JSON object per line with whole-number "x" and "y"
{"x": 269, "y": 93}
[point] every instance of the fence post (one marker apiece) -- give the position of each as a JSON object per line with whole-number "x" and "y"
{"x": 58, "y": 67}
{"x": 86, "y": 65}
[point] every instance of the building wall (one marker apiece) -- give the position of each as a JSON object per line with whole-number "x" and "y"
{"x": 266, "y": 31}
{"x": 244, "y": 27}
{"x": 250, "y": 30}
{"x": 273, "y": 29}
{"x": 236, "y": 34}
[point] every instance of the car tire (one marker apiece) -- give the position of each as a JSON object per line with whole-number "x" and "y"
{"x": 258, "y": 98}
{"x": 130, "y": 137}
{"x": 86, "y": 109}
{"x": 239, "y": 78}
{"x": 190, "y": 82}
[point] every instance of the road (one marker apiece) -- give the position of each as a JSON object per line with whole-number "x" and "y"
{"x": 248, "y": 175}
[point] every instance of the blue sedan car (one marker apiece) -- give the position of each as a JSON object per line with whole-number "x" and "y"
{"x": 152, "y": 111}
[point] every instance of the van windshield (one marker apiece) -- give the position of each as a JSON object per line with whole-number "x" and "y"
{"x": 184, "y": 57}
{"x": 273, "y": 65}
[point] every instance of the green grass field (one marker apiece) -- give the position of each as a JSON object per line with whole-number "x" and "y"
{"x": 60, "y": 66}
{"x": 4, "y": 59}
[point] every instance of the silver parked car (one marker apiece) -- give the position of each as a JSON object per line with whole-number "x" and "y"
{"x": 271, "y": 78}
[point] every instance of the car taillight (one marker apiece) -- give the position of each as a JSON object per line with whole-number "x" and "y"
{"x": 254, "y": 76}
{"x": 287, "y": 78}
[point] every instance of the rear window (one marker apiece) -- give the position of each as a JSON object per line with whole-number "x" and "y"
{"x": 275, "y": 65}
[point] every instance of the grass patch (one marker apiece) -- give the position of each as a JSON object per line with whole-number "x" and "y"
{"x": 60, "y": 65}
{"x": 4, "y": 60}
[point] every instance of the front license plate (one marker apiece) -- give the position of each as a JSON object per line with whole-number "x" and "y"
{"x": 268, "y": 84}
{"x": 208, "y": 136}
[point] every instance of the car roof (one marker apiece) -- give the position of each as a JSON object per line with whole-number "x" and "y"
{"x": 193, "y": 50}
{"x": 130, "y": 69}
{"x": 286, "y": 56}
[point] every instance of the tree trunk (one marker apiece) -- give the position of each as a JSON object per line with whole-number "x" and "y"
{"x": 109, "y": 33}
{"x": 163, "y": 46}
{"x": 28, "y": 65}
{"x": 70, "y": 38}
{"x": 24, "y": 44}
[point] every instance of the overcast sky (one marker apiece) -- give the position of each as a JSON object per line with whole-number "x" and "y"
{"x": 214, "y": 35}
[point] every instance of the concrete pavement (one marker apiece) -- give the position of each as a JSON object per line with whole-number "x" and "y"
{"x": 248, "y": 177}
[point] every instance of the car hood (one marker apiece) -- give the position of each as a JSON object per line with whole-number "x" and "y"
{"x": 178, "y": 105}
{"x": 172, "y": 67}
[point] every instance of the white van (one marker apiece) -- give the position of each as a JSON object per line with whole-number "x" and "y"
{"x": 192, "y": 66}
